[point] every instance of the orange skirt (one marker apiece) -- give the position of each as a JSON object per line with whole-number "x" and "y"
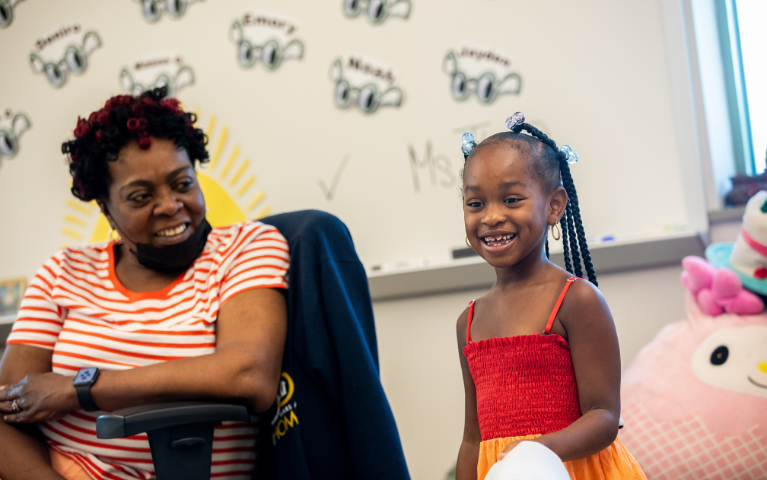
{"x": 613, "y": 463}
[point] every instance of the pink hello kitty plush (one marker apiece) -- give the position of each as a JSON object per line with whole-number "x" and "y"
{"x": 694, "y": 400}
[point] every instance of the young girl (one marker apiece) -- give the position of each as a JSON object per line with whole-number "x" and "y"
{"x": 539, "y": 352}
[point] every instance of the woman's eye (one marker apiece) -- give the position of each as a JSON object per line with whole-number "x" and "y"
{"x": 138, "y": 198}
{"x": 185, "y": 185}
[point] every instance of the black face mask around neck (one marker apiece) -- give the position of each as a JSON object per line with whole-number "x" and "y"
{"x": 173, "y": 258}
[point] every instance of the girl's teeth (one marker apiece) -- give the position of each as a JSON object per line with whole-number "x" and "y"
{"x": 499, "y": 240}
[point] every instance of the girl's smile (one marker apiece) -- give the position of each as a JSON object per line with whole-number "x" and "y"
{"x": 496, "y": 241}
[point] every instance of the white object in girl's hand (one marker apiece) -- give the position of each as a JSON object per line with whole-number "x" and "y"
{"x": 529, "y": 461}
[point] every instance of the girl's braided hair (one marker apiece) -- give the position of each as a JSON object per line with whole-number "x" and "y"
{"x": 550, "y": 164}
{"x": 123, "y": 119}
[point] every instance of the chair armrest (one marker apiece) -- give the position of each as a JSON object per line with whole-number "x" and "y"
{"x": 145, "y": 418}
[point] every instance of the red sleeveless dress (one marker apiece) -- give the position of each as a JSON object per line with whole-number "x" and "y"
{"x": 526, "y": 388}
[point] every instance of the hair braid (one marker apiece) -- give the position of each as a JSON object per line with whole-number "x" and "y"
{"x": 568, "y": 217}
{"x": 567, "y": 180}
{"x": 572, "y": 226}
{"x": 565, "y": 247}
{"x": 546, "y": 245}
{"x": 537, "y": 134}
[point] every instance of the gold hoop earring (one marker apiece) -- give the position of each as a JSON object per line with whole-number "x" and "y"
{"x": 112, "y": 237}
{"x": 559, "y": 232}
{"x": 467, "y": 242}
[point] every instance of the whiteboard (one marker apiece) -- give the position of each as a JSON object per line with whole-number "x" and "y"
{"x": 592, "y": 74}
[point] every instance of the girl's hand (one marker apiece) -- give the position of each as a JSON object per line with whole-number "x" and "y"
{"x": 508, "y": 448}
{"x": 38, "y": 397}
{"x": 513, "y": 444}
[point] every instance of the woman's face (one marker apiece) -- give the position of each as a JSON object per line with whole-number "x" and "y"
{"x": 154, "y": 197}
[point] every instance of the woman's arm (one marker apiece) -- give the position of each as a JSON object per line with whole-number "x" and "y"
{"x": 468, "y": 455}
{"x": 251, "y": 330}
{"x": 25, "y": 454}
{"x": 596, "y": 359}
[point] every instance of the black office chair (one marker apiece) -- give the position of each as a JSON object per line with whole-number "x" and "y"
{"x": 180, "y": 433}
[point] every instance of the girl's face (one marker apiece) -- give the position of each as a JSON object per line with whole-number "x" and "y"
{"x": 154, "y": 197}
{"x": 505, "y": 208}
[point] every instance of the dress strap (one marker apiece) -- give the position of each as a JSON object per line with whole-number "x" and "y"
{"x": 468, "y": 324}
{"x": 554, "y": 312}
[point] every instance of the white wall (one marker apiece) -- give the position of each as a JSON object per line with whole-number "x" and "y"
{"x": 419, "y": 355}
{"x": 596, "y": 74}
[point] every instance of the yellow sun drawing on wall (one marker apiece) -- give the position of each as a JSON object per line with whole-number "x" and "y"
{"x": 227, "y": 181}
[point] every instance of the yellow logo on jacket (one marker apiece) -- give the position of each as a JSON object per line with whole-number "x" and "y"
{"x": 285, "y": 418}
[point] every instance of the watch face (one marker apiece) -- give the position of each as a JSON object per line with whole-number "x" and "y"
{"x": 86, "y": 376}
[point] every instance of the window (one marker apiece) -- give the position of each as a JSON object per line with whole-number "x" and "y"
{"x": 751, "y": 16}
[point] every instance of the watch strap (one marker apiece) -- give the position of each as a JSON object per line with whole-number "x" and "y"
{"x": 83, "y": 384}
{"x": 85, "y": 398}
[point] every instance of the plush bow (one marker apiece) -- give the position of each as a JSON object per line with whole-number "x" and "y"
{"x": 718, "y": 291}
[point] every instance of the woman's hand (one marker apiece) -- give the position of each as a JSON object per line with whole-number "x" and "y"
{"x": 38, "y": 397}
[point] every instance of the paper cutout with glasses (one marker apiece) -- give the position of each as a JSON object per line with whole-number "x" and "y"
{"x": 367, "y": 98}
{"x": 183, "y": 78}
{"x": 271, "y": 53}
{"x": 377, "y": 11}
{"x": 6, "y": 12}
{"x": 75, "y": 60}
{"x": 152, "y": 9}
{"x": 486, "y": 87}
{"x": 9, "y": 139}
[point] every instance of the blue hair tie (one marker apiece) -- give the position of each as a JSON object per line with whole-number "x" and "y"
{"x": 468, "y": 143}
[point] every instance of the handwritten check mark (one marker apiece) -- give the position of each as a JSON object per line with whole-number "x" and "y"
{"x": 330, "y": 192}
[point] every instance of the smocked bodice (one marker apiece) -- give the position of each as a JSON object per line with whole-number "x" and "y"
{"x": 525, "y": 385}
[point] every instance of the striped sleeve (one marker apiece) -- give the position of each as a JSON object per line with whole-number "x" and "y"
{"x": 39, "y": 320}
{"x": 260, "y": 260}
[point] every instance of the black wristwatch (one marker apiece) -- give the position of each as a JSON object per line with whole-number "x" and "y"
{"x": 83, "y": 382}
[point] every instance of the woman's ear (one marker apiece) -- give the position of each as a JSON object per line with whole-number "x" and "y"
{"x": 103, "y": 207}
{"x": 557, "y": 205}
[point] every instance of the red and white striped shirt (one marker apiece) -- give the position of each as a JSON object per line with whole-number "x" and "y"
{"x": 77, "y": 307}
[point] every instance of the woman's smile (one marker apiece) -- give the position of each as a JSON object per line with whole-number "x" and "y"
{"x": 174, "y": 235}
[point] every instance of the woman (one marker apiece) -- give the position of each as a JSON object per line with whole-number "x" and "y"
{"x": 172, "y": 310}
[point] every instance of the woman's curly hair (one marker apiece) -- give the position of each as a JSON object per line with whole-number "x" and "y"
{"x": 123, "y": 119}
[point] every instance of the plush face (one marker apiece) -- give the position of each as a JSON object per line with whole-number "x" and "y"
{"x": 734, "y": 358}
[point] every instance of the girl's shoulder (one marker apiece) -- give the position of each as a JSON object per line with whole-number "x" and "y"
{"x": 583, "y": 304}
{"x": 583, "y": 293}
